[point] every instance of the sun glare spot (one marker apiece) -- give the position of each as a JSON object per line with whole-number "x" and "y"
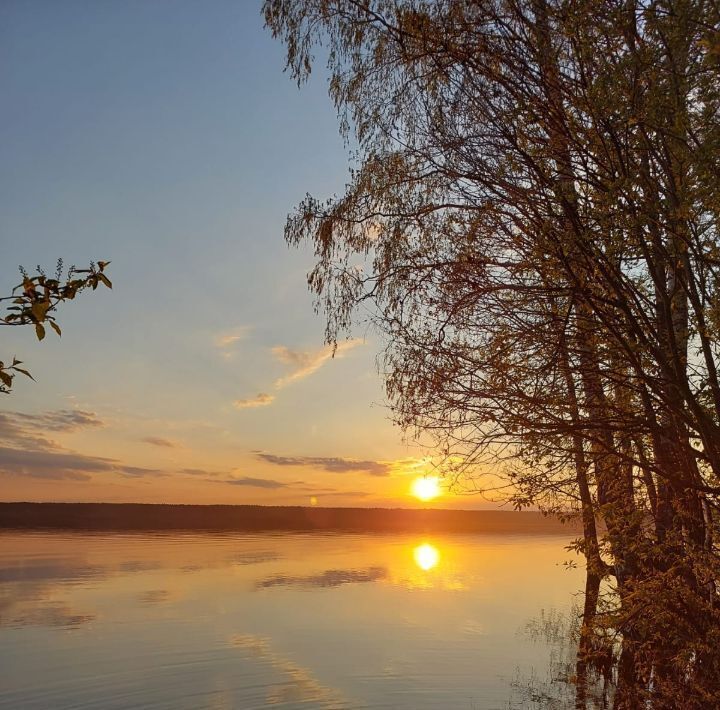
{"x": 426, "y": 487}
{"x": 426, "y": 556}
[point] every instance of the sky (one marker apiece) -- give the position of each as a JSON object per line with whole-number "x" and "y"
{"x": 165, "y": 137}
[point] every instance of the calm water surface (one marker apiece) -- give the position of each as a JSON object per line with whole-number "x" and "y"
{"x": 197, "y": 620}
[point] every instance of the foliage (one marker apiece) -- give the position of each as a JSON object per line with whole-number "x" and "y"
{"x": 532, "y": 222}
{"x": 35, "y": 301}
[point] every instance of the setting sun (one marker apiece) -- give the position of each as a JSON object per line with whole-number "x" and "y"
{"x": 426, "y": 487}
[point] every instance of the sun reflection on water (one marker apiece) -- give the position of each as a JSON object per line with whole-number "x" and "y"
{"x": 426, "y": 556}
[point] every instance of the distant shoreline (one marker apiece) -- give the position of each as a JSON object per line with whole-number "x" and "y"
{"x": 257, "y": 518}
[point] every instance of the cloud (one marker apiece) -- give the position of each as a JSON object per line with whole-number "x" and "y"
{"x": 224, "y": 340}
{"x": 59, "y": 465}
{"x": 158, "y": 441}
{"x": 60, "y": 420}
{"x": 137, "y": 471}
{"x": 30, "y": 430}
{"x": 199, "y": 472}
{"x": 13, "y": 433}
{"x": 334, "y": 464}
{"x": 229, "y": 338}
{"x": 302, "y": 363}
{"x": 260, "y": 400}
{"x": 342, "y": 494}
{"x": 255, "y": 482}
{"x": 26, "y": 451}
{"x": 305, "y": 363}
{"x": 299, "y": 489}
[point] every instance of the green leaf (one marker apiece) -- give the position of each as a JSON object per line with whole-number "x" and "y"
{"x": 39, "y": 331}
{"x": 55, "y": 327}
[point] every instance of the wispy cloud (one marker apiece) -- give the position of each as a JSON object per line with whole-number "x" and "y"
{"x": 233, "y": 336}
{"x": 159, "y": 441}
{"x": 225, "y": 341}
{"x": 135, "y": 471}
{"x": 254, "y": 482}
{"x": 63, "y": 465}
{"x": 342, "y": 494}
{"x": 59, "y": 420}
{"x": 26, "y": 451}
{"x": 259, "y": 400}
{"x": 306, "y": 362}
{"x": 199, "y": 472}
{"x": 299, "y": 489}
{"x": 302, "y": 364}
{"x": 31, "y": 430}
{"x": 11, "y": 432}
{"x": 334, "y": 464}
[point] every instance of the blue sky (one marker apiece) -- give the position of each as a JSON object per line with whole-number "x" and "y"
{"x": 165, "y": 137}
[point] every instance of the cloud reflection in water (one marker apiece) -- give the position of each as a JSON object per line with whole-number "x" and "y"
{"x": 329, "y": 578}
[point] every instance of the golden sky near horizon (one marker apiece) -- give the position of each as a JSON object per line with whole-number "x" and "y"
{"x": 175, "y": 151}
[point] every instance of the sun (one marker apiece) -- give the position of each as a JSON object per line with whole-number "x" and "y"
{"x": 426, "y": 487}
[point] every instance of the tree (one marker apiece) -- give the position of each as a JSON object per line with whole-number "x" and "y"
{"x": 533, "y": 221}
{"x": 35, "y": 302}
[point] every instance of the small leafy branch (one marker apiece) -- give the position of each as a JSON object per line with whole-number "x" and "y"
{"x": 35, "y": 301}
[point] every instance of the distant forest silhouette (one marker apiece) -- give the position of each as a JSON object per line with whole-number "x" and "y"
{"x": 132, "y": 516}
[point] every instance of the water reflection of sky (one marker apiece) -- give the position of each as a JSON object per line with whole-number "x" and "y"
{"x": 198, "y": 620}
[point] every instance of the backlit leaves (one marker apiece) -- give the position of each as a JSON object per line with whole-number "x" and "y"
{"x": 532, "y": 221}
{"x": 35, "y": 301}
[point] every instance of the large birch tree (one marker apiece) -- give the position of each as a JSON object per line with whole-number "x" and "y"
{"x": 532, "y": 222}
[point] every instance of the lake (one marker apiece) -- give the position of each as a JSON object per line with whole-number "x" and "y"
{"x": 231, "y": 620}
